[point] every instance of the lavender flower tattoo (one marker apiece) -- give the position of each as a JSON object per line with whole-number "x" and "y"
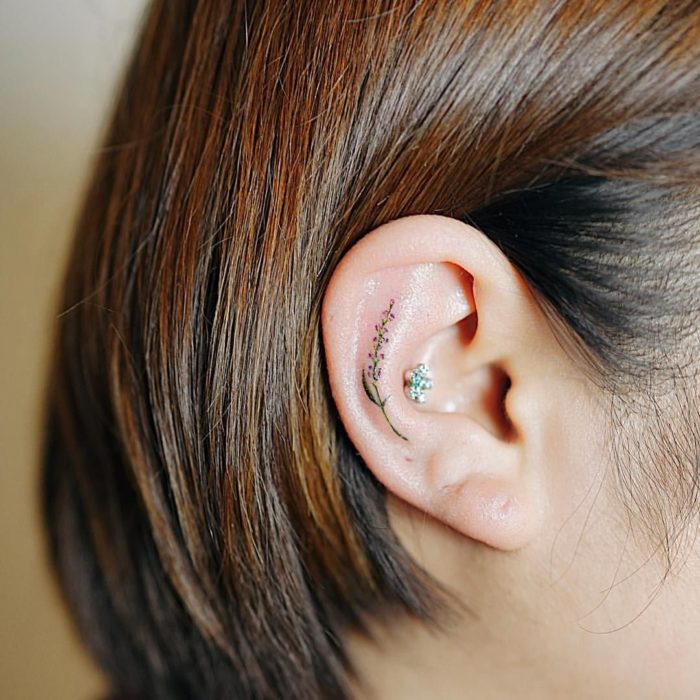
{"x": 371, "y": 374}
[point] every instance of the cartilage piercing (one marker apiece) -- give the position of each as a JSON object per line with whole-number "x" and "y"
{"x": 417, "y": 381}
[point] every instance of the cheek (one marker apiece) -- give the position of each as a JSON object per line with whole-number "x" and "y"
{"x": 572, "y": 443}
{"x": 585, "y": 525}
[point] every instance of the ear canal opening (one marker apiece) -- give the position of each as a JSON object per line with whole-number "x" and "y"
{"x": 491, "y": 406}
{"x": 499, "y": 423}
{"x": 479, "y": 393}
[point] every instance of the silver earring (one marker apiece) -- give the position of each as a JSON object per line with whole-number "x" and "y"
{"x": 417, "y": 382}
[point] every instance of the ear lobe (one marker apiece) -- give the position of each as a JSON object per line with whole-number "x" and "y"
{"x": 433, "y": 290}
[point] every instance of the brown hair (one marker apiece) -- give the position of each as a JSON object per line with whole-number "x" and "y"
{"x": 212, "y": 528}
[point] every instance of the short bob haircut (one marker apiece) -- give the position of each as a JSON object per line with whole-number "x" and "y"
{"x": 213, "y": 530}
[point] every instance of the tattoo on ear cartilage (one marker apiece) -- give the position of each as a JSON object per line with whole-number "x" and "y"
{"x": 372, "y": 372}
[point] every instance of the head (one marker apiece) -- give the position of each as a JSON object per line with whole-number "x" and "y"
{"x": 297, "y": 204}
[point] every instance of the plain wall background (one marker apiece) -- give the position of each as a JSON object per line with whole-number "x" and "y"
{"x": 59, "y": 63}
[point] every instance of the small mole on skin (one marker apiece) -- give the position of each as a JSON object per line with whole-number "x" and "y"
{"x": 408, "y": 459}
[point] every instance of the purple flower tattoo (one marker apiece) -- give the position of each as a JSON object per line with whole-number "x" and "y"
{"x": 372, "y": 372}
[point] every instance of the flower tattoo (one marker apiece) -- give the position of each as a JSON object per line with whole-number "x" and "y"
{"x": 372, "y": 372}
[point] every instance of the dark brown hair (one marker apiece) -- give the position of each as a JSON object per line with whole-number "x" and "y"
{"x": 212, "y": 528}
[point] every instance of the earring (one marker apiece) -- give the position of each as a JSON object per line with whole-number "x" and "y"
{"x": 417, "y": 382}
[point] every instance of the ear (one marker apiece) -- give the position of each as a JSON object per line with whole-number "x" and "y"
{"x": 469, "y": 451}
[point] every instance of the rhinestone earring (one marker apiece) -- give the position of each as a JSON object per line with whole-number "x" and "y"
{"x": 417, "y": 382}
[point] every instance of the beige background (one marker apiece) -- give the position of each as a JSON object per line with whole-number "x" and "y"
{"x": 59, "y": 60}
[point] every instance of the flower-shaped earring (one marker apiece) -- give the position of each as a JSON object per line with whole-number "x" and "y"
{"x": 417, "y": 382}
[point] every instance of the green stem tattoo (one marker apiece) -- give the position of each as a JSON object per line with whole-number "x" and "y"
{"x": 372, "y": 373}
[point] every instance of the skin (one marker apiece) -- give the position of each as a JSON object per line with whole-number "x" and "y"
{"x": 511, "y": 504}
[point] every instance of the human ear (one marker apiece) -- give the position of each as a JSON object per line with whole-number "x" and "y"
{"x": 434, "y": 290}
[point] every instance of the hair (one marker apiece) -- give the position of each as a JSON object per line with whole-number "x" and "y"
{"x": 212, "y": 528}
